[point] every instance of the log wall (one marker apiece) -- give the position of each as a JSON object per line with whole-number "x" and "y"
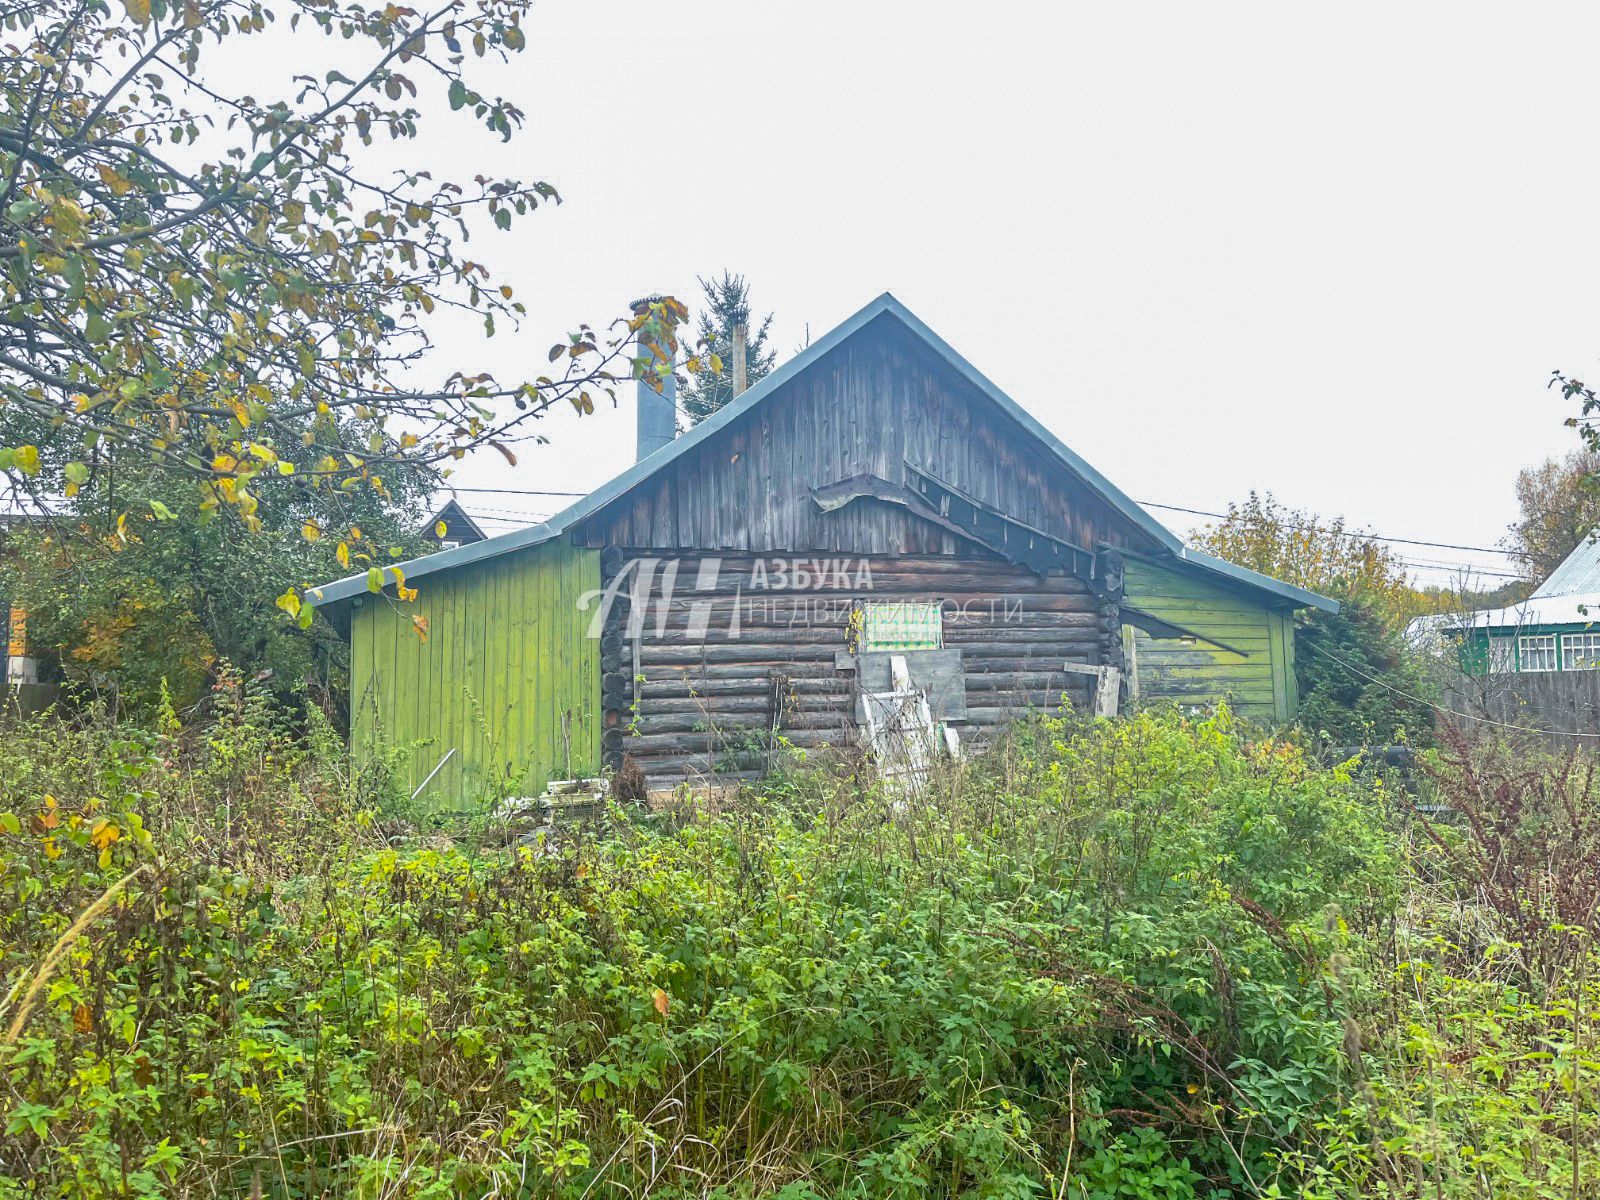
{"x": 741, "y": 653}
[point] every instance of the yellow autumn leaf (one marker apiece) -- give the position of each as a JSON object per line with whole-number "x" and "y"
{"x": 311, "y": 531}
{"x": 420, "y": 624}
{"x": 104, "y": 833}
{"x": 661, "y": 1000}
{"x": 343, "y": 554}
{"x": 119, "y": 185}
{"x": 440, "y": 529}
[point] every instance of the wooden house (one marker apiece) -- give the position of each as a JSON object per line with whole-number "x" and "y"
{"x": 873, "y": 504}
{"x": 452, "y": 525}
{"x": 1557, "y": 628}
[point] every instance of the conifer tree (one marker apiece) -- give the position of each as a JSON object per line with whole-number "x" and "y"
{"x": 727, "y": 304}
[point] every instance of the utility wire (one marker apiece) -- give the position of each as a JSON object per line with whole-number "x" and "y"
{"x": 1195, "y": 512}
{"x": 1349, "y": 533}
{"x": 1465, "y": 716}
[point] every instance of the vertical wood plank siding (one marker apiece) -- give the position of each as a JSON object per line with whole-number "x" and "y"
{"x": 718, "y": 701}
{"x": 873, "y": 406}
{"x": 1259, "y": 683}
{"x": 508, "y": 676}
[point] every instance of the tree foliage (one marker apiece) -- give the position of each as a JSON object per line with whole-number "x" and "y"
{"x": 1358, "y": 681}
{"x": 726, "y": 305}
{"x": 236, "y": 288}
{"x": 1320, "y": 554}
{"x": 131, "y": 607}
{"x": 1559, "y": 506}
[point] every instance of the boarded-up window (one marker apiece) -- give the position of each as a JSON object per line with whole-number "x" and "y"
{"x": 902, "y": 625}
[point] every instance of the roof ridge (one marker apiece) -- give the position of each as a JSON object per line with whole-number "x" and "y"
{"x": 884, "y": 304}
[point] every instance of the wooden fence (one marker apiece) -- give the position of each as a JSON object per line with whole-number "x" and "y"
{"x": 1559, "y": 708}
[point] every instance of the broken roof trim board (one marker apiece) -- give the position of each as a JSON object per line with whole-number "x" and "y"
{"x": 884, "y": 306}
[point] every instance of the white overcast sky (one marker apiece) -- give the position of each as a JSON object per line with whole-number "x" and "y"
{"x": 1333, "y": 253}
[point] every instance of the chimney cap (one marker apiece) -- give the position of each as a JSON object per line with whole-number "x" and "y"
{"x": 640, "y": 305}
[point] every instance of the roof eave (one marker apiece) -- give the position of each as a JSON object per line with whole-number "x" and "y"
{"x": 442, "y": 560}
{"x": 1297, "y": 596}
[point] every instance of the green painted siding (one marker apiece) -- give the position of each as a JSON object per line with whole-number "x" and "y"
{"x": 507, "y": 677}
{"x": 1475, "y": 657}
{"x": 1259, "y": 681}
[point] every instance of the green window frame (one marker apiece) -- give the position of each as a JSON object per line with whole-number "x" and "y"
{"x": 901, "y": 625}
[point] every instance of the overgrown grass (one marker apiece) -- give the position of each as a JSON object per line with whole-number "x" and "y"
{"x": 1161, "y": 957}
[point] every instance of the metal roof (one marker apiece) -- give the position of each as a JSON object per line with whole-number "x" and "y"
{"x": 1578, "y": 573}
{"x": 1221, "y": 566}
{"x": 1576, "y": 608}
{"x": 884, "y": 306}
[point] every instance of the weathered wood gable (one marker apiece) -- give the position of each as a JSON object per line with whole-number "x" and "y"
{"x": 879, "y": 406}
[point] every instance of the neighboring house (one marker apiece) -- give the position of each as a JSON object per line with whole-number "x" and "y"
{"x": 22, "y": 674}
{"x": 873, "y": 512}
{"x": 459, "y": 527}
{"x": 1557, "y": 628}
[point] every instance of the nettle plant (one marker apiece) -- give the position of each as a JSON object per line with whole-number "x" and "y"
{"x": 235, "y": 289}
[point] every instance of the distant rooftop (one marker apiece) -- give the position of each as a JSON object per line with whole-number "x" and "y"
{"x": 1579, "y": 573}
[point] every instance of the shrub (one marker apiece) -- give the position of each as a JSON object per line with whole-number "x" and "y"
{"x": 1158, "y": 957}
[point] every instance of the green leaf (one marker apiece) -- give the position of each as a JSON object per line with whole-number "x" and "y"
{"x": 458, "y": 94}
{"x": 77, "y": 473}
{"x": 502, "y": 218}
{"x": 162, "y": 512}
{"x": 374, "y": 579}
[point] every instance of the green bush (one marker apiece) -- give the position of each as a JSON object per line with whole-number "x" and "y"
{"x": 1157, "y": 957}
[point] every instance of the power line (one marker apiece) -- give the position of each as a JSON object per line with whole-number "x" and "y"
{"x": 1465, "y": 716}
{"x": 1195, "y": 512}
{"x": 1349, "y": 533}
{"x": 510, "y": 491}
{"x": 1420, "y": 564}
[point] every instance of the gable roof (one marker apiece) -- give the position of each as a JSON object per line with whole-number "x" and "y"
{"x": 1578, "y": 573}
{"x": 452, "y": 514}
{"x": 1570, "y": 595}
{"x": 885, "y": 306}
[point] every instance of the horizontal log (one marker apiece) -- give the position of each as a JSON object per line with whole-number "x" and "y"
{"x": 694, "y": 673}
{"x": 1002, "y": 666}
{"x": 1079, "y": 648}
{"x": 989, "y": 681}
{"x": 716, "y": 705}
{"x": 720, "y": 686}
{"x": 645, "y": 746}
{"x": 738, "y": 726}
{"x": 653, "y": 654}
{"x": 1024, "y": 619}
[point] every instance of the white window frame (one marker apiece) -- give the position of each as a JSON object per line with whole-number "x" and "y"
{"x": 1586, "y": 658}
{"x": 1502, "y": 655}
{"x": 1537, "y": 644}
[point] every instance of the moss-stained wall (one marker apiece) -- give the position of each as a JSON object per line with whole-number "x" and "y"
{"x": 1258, "y": 680}
{"x": 507, "y": 676}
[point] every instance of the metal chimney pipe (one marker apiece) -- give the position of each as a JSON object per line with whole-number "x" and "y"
{"x": 657, "y": 420}
{"x": 741, "y": 370}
